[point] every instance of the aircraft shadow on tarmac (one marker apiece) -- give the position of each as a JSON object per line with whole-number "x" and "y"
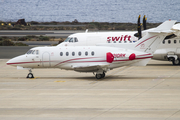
{"x": 160, "y": 65}
{"x": 89, "y": 78}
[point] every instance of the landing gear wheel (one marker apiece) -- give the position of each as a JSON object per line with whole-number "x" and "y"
{"x": 98, "y": 76}
{"x": 103, "y": 75}
{"x": 176, "y": 62}
{"x": 30, "y": 75}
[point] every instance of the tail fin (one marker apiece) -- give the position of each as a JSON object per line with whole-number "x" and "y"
{"x": 152, "y": 39}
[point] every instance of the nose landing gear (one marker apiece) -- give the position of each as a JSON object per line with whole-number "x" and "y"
{"x": 30, "y": 75}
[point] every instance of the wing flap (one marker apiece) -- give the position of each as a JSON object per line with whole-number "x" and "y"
{"x": 91, "y": 68}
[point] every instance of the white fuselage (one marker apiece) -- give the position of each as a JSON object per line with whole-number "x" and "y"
{"x": 93, "y": 38}
{"x": 97, "y": 38}
{"x": 169, "y": 47}
{"x": 70, "y": 58}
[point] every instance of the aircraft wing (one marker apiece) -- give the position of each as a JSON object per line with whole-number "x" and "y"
{"x": 91, "y": 68}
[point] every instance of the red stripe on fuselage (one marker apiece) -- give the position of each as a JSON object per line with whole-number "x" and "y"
{"x": 75, "y": 59}
{"x": 71, "y": 60}
{"x": 145, "y": 40}
{"x": 23, "y": 62}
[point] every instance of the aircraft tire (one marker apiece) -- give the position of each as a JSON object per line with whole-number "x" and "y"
{"x": 30, "y": 75}
{"x": 103, "y": 75}
{"x": 98, "y": 76}
{"x": 176, "y": 62}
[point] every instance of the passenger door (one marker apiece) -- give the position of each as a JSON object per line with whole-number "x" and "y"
{"x": 46, "y": 59}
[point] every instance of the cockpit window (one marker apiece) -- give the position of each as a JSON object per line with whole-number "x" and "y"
{"x": 33, "y": 52}
{"x": 75, "y": 39}
{"x": 29, "y": 52}
{"x": 67, "y": 39}
{"x": 71, "y": 40}
{"x": 37, "y": 52}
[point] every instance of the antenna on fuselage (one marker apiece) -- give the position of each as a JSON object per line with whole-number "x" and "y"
{"x": 86, "y": 31}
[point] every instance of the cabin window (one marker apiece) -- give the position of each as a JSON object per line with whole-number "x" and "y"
{"x": 119, "y": 41}
{"x": 67, "y": 53}
{"x": 61, "y": 53}
{"x": 75, "y": 39}
{"x": 86, "y": 53}
{"x": 163, "y": 41}
{"x": 174, "y": 41}
{"x": 169, "y": 41}
{"x": 114, "y": 41}
{"x": 73, "y": 53}
{"x": 92, "y": 53}
{"x": 67, "y": 39}
{"x": 79, "y": 53}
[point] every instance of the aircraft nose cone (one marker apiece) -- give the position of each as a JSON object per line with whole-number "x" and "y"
{"x": 15, "y": 61}
{"x": 8, "y": 62}
{"x": 11, "y": 62}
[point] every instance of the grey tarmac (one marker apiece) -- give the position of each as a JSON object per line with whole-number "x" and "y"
{"x": 128, "y": 93}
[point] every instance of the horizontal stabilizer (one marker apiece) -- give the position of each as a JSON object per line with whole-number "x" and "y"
{"x": 176, "y": 27}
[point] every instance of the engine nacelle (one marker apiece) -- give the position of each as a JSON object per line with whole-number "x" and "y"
{"x": 118, "y": 56}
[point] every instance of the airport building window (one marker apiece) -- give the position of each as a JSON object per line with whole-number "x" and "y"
{"x": 169, "y": 41}
{"x": 75, "y": 39}
{"x": 86, "y": 53}
{"x": 61, "y": 53}
{"x": 73, "y": 53}
{"x": 174, "y": 41}
{"x": 92, "y": 53}
{"x": 67, "y": 53}
{"x": 79, "y": 53}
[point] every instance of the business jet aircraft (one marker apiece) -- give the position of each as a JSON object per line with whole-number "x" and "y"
{"x": 96, "y": 59}
{"x": 168, "y": 50}
{"x": 93, "y": 38}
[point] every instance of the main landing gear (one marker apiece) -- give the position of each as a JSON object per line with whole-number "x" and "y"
{"x": 176, "y": 62}
{"x": 30, "y": 75}
{"x": 100, "y": 76}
